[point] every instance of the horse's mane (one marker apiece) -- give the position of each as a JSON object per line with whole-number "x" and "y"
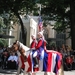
{"x": 21, "y": 45}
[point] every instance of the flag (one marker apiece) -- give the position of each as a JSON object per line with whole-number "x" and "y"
{"x": 40, "y": 24}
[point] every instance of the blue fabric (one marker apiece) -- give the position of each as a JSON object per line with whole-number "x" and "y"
{"x": 56, "y": 68}
{"x": 45, "y": 61}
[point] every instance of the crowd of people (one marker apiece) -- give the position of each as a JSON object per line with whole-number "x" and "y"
{"x": 9, "y": 59}
{"x": 68, "y": 57}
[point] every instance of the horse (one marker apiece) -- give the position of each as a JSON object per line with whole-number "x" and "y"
{"x": 25, "y": 51}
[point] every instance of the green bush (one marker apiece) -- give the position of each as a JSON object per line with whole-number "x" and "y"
{"x": 3, "y": 42}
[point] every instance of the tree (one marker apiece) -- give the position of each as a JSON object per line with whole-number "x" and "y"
{"x": 17, "y": 7}
{"x": 62, "y": 11}
{"x": 72, "y": 20}
{"x": 3, "y": 43}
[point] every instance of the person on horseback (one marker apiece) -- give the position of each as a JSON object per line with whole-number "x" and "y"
{"x": 40, "y": 49}
{"x": 34, "y": 52}
{"x": 34, "y": 42}
{"x": 40, "y": 45}
{"x": 37, "y": 48}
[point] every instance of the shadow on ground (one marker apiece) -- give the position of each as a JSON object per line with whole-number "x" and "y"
{"x": 5, "y": 71}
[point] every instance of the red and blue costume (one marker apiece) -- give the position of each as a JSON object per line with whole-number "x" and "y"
{"x": 33, "y": 44}
{"x": 40, "y": 48}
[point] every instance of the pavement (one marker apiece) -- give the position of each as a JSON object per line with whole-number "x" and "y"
{"x": 7, "y": 72}
{"x": 13, "y": 72}
{"x": 72, "y": 72}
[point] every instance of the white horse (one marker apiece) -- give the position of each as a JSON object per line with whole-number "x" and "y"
{"x": 22, "y": 49}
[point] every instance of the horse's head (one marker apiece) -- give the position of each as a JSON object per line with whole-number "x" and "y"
{"x": 16, "y": 45}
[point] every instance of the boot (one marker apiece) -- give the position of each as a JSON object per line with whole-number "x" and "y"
{"x": 35, "y": 59}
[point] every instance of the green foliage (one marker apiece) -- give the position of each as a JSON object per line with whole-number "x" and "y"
{"x": 1, "y": 23}
{"x": 59, "y": 11}
{"x": 20, "y": 6}
{"x": 3, "y": 42}
{"x": 63, "y": 12}
{"x": 52, "y": 44}
{"x": 12, "y": 7}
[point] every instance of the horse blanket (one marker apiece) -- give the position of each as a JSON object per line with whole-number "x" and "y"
{"x": 51, "y": 62}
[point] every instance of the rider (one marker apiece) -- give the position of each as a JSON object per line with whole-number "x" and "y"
{"x": 34, "y": 52}
{"x": 40, "y": 45}
{"x": 39, "y": 48}
{"x": 34, "y": 42}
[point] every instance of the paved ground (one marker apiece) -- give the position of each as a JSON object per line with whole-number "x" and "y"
{"x": 7, "y": 72}
{"x": 13, "y": 72}
{"x": 69, "y": 72}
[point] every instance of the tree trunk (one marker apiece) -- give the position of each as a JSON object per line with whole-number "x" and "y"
{"x": 22, "y": 29}
{"x": 72, "y": 19}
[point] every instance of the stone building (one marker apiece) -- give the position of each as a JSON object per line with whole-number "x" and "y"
{"x": 31, "y": 27}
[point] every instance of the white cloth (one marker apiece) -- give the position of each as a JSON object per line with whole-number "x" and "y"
{"x": 13, "y": 58}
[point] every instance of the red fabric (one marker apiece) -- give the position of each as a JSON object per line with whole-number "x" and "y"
{"x": 33, "y": 44}
{"x": 59, "y": 64}
{"x": 49, "y": 62}
{"x": 45, "y": 45}
{"x": 69, "y": 60}
{"x": 30, "y": 63}
{"x": 39, "y": 44}
{"x": 36, "y": 69}
{"x": 22, "y": 60}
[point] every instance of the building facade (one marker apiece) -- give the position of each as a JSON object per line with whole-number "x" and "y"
{"x": 31, "y": 28}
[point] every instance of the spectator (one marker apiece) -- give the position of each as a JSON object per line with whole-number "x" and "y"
{"x": 63, "y": 51}
{"x": 69, "y": 50}
{"x": 5, "y": 56}
{"x": 12, "y": 61}
{"x": 73, "y": 65}
{"x": 69, "y": 62}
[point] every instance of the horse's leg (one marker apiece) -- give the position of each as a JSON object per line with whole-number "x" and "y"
{"x": 18, "y": 71}
{"x": 46, "y": 73}
{"x": 26, "y": 68}
{"x": 61, "y": 72}
{"x": 19, "y": 68}
{"x": 30, "y": 73}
